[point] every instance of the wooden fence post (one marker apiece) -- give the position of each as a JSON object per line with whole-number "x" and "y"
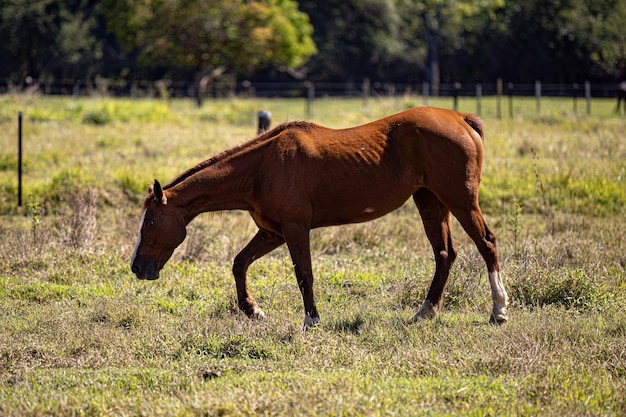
{"x": 510, "y": 88}
{"x": 457, "y": 88}
{"x": 588, "y": 96}
{"x": 425, "y": 93}
{"x": 538, "y": 95}
{"x": 499, "y": 98}
{"x": 366, "y": 91}
{"x": 310, "y": 96}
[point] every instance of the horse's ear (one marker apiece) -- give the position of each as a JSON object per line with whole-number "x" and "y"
{"x": 158, "y": 192}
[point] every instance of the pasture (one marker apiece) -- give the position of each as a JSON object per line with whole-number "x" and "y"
{"x": 80, "y": 335}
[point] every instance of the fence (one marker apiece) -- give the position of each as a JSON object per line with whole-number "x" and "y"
{"x": 301, "y": 89}
{"x": 503, "y": 92}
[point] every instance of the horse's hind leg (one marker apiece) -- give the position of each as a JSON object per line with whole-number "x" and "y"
{"x": 435, "y": 217}
{"x": 474, "y": 224}
{"x": 261, "y": 244}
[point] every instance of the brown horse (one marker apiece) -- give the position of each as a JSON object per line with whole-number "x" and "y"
{"x": 300, "y": 176}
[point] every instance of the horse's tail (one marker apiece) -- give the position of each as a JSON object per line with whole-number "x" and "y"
{"x": 476, "y": 123}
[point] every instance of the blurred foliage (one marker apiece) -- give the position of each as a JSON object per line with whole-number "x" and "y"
{"x": 385, "y": 40}
{"x": 212, "y": 37}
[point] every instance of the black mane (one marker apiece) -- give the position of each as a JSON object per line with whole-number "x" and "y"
{"x": 260, "y": 138}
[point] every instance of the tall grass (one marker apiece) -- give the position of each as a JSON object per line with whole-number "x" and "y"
{"x": 79, "y": 335}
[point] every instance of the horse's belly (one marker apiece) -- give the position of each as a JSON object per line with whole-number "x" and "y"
{"x": 359, "y": 204}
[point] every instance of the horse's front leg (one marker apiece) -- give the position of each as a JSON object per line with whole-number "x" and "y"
{"x": 261, "y": 244}
{"x": 297, "y": 238}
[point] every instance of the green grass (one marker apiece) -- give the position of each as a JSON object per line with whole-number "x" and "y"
{"x": 79, "y": 335}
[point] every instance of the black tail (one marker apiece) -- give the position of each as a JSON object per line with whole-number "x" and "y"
{"x": 476, "y": 123}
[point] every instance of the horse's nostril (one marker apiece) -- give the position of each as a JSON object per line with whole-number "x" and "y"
{"x": 136, "y": 269}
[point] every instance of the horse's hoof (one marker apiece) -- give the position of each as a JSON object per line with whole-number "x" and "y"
{"x": 498, "y": 320}
{"x": 426, "y": 312}
{"x": 310, "y": 322}
{"x": 258, "y": 314}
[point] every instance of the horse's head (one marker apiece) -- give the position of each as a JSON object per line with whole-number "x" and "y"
{"x": 162, "y": 229}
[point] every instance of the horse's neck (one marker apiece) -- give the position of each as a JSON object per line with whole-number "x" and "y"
{"x": 223, "y": 185}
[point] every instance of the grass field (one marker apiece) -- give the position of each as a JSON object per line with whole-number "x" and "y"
{"x": 81, "y": 336}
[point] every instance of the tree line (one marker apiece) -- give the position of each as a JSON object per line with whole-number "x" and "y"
{"x": 201, "y": 41}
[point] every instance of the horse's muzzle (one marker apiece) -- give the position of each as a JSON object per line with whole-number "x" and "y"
{"x": 148, "y": 271}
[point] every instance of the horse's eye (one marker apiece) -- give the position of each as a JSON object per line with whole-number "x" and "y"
{"x": 150, "y": 223}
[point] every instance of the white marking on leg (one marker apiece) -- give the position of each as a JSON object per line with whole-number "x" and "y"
{"x": 258, "y": 314}
{"x": 132, "y": 260}
{"x": 499, "y": 297}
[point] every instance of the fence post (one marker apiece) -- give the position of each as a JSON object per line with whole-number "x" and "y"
{"x": 510, "y": 88}
{"x": 425, "y": 93}
{"x": 538, "y": 95}
{"x": 499, "y": 98}
{"x": 310, "y": 96}
{"x": 19, "y": 159}
{"x": 457, "y": 88}
{"x": 575, "y": 97}
{"x": 479, "y": 97}
{"x": 247, "y": 88}
{"x": 588, "y": 96}
{"x": 265, "y": 120}
{"x": 366, "y": 91}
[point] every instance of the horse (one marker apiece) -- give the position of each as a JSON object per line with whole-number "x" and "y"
{"x": 300, "y": 176}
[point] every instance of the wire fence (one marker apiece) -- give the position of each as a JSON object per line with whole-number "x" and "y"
{"x": 494, "y": 100}
{"x": 300, "y": 89}
{"x": 499, "y": 95}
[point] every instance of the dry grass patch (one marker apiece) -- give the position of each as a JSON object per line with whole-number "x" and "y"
{"x": 82, "y": 336}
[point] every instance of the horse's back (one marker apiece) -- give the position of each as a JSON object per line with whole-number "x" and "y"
{"x": 447, "y": 124}
{"x": 302, "y": 139}
{"x": 416, "y": 141}
{"x": 356, "y": 174}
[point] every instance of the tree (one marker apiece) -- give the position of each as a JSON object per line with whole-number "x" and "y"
{"x": 78, "y": 48}
{"x": 212, "y": 37}
{"x": 356, "y": 38}
{"x": 444, "y": 25}
{"x": 430, "y": 14}
{"x": 549, "y": 40}
{"x": 47, "y": 38}
{"x": 597, "y": 26}
{"x": 27, "y": 31}
{"x": 537, "y": 44}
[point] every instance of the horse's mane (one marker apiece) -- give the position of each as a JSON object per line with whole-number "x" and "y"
{"x": 262, "y": 137}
